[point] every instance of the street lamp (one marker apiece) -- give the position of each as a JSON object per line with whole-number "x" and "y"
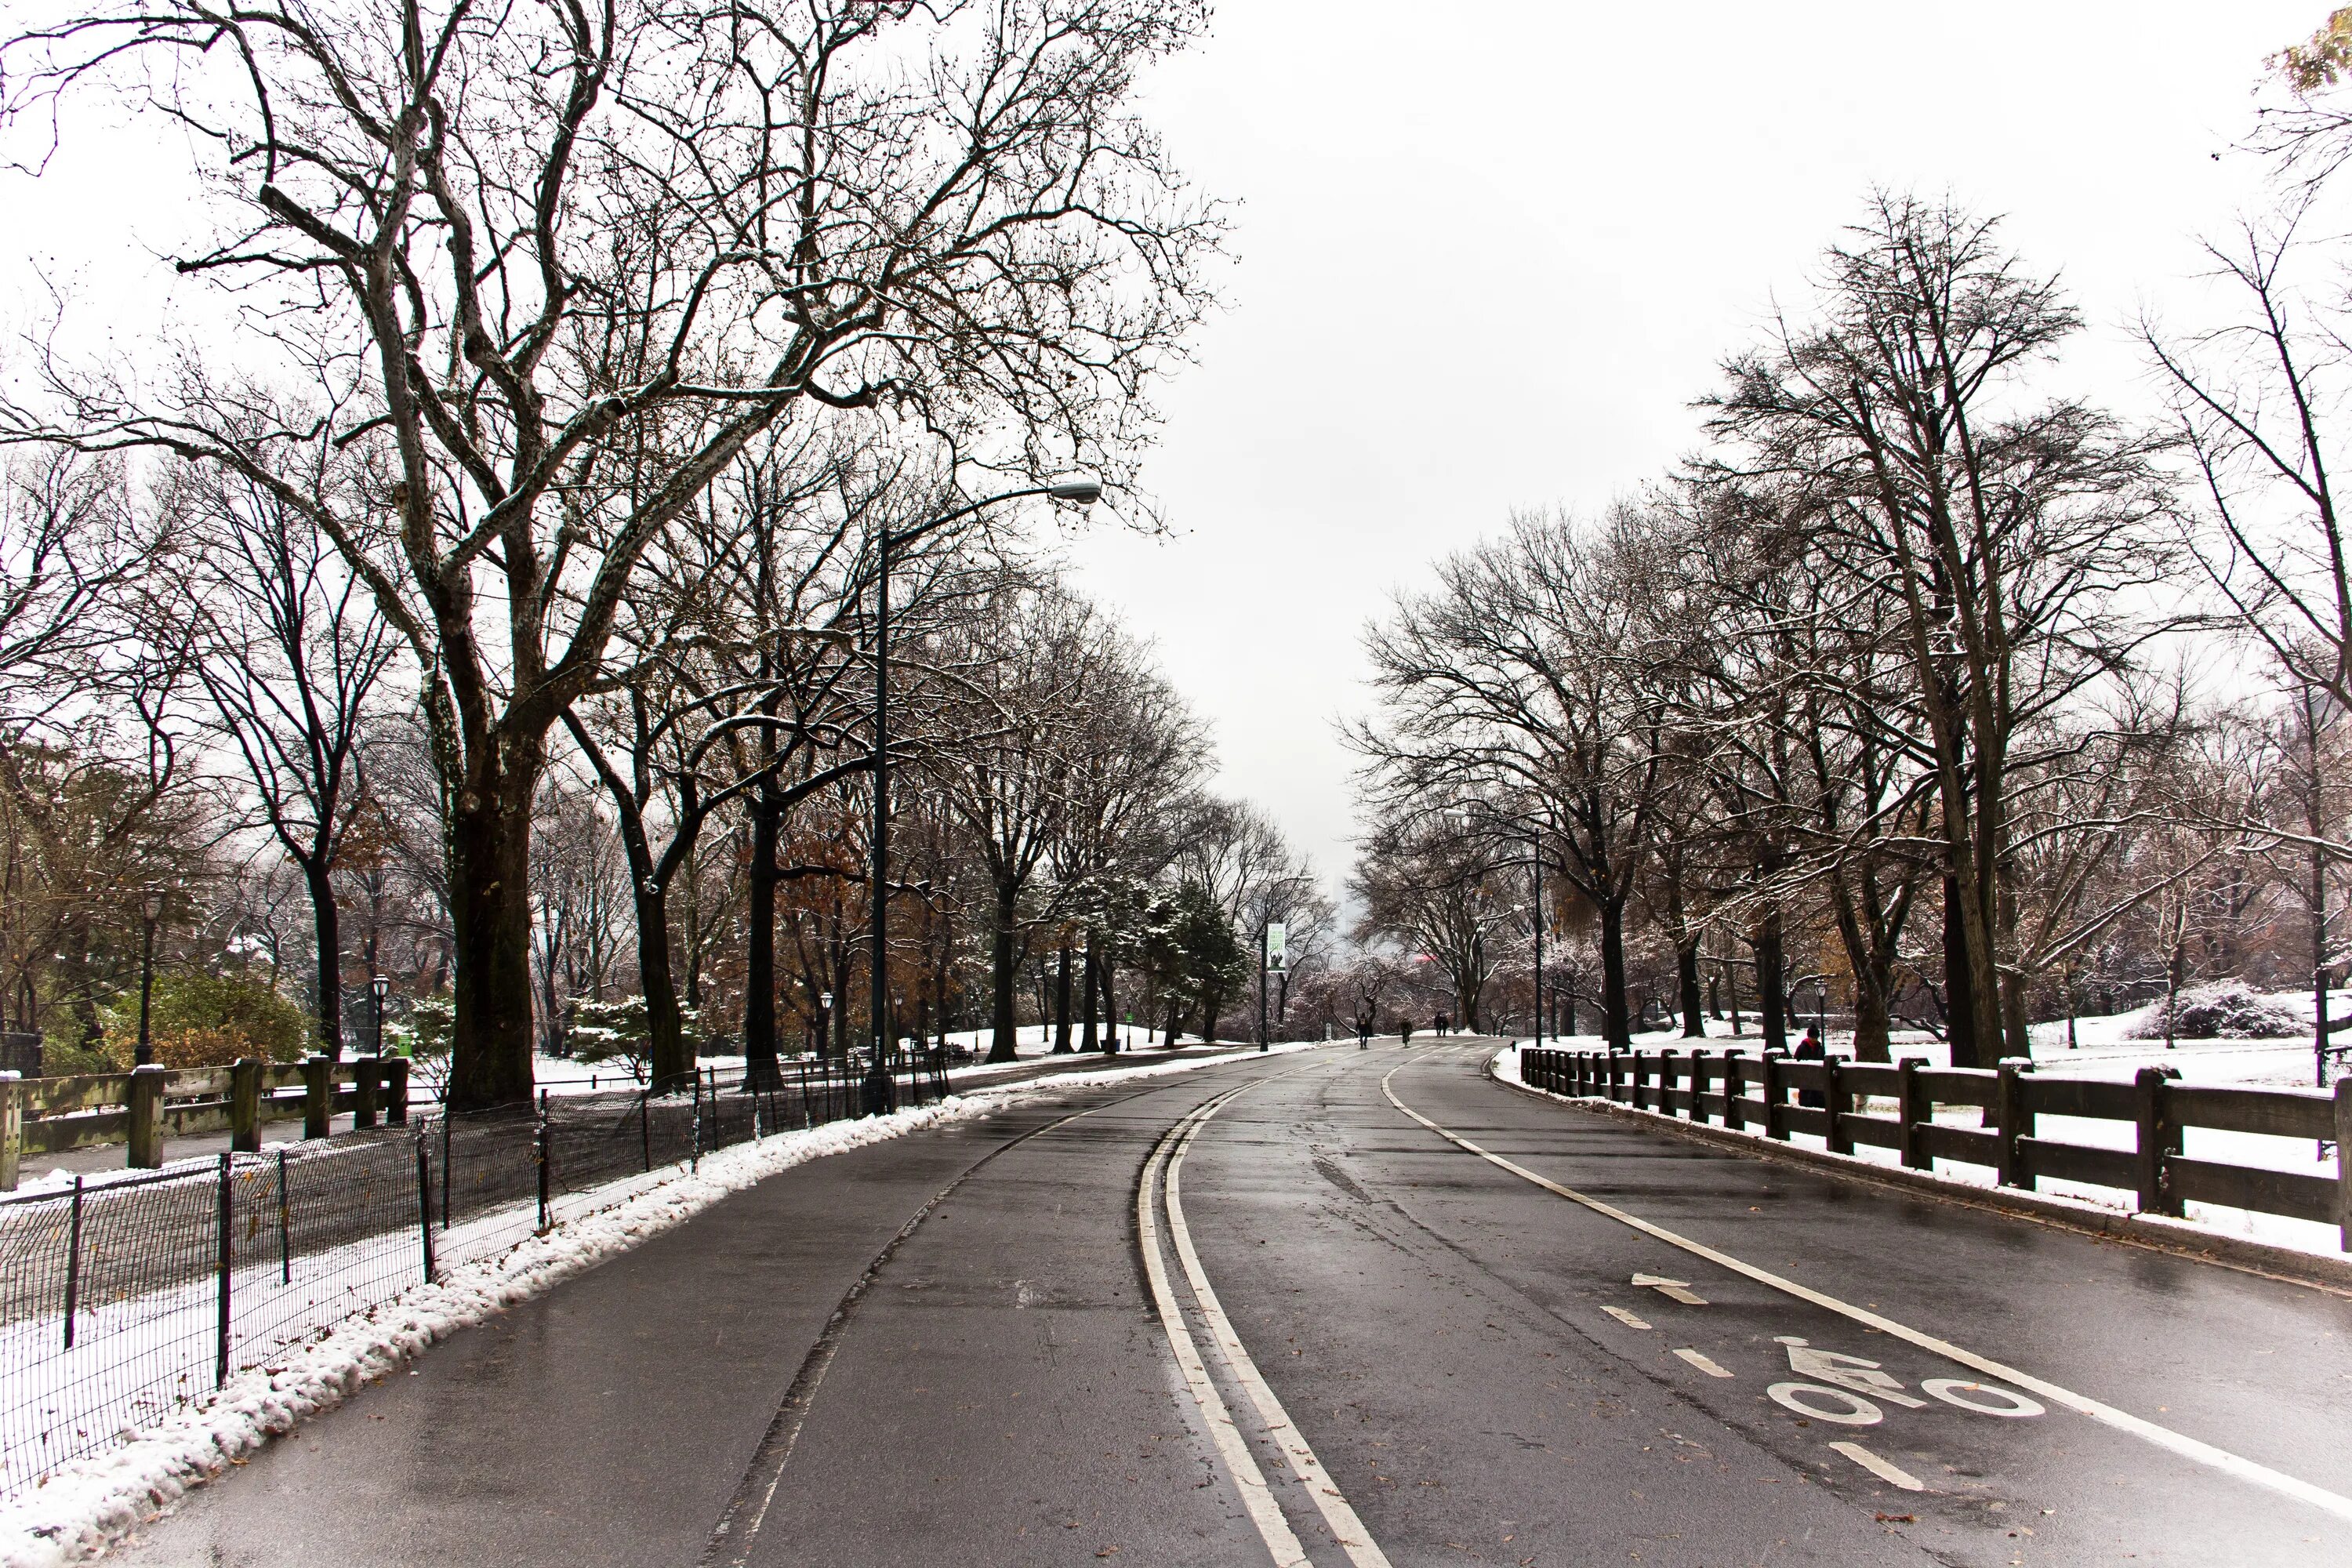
{"x": 880, "y": 1088}
{"x": 382, "y": 988}
{"x": 151, "y": 910}
{"x": 824, "y": 1015}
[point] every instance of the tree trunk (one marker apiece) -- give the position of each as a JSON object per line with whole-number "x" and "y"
{"x": 1210, "y": 1007}
{"x": 1062, "y": 1046}
{"x": 1959, "y": 1010}
{"x": 1617, "y": 1024}
{"x": 1772, "y": 984}
{"x": 1872, "y": 1022}
{"x": 760, "y": 957}
{"x": 1110, "y": 1005}
{"x": 1004, "y": 999}
{"x": 667, "y": 1059}
{"x": 1694, "y": 1003}
{"x": 1092, "y": 1001}
{"x": 489, "y": 917}
{"x": 1175, "y": 1023}
{"x": 326, "y": 922}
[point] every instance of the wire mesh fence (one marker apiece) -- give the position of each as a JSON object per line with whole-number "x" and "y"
{"x": 124, "y": 1299}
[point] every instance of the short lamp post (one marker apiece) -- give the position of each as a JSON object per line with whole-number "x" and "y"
{"x": 151, "y": 911}
{"x": 824, "y": 1018}
{"x": 881, "y": 1087}
{"x": 382, "y": 987}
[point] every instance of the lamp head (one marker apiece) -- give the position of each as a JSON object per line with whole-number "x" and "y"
{"x": 1083, "y": 491}
{"x": 381, "y": 986}
{"x": 824, "y": 1000}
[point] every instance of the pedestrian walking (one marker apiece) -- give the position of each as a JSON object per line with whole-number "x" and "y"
{"x": 1808, "y": 1049}
{"x": 1404, "y": 1032}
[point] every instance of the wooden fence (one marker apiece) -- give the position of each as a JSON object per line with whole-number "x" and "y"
{"x": 142, "y": 1107}
{"x": 1743, "y": 1092}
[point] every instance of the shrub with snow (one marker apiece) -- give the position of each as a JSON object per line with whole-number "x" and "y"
{"x": 2229, "y": 1011}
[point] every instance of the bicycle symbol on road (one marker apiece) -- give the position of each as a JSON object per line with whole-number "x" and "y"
{"x": 1848, "y": 1391}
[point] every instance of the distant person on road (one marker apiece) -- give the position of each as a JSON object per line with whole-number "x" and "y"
{"x": 1364, "y": 1034}
{"x": 1443, "y": 1023}
{"x": 1404, "y": 1032}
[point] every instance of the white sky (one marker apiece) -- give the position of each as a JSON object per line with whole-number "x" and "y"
{"x": 1486, "y": 255}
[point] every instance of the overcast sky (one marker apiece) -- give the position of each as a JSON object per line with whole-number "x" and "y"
{"x": 1486, "y": 257}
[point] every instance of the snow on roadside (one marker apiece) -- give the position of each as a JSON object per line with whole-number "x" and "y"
{"x": 83, "y": 1506}
{"x": 2249, "y": 1149}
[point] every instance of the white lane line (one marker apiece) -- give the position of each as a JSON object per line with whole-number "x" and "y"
{"x": 1626, "y": 1317}
{"x": 1703, "y": 1361}
{"x": 2163, "y": 1437}
{"x": 1887, "y": 1470}
{"x": 1231, "y": 1448}
{"x": 1345, "y": 1528}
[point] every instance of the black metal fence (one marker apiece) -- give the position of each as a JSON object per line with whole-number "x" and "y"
{"x": 123, "y": 1299}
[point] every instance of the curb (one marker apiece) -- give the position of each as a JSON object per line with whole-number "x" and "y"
{"x": 2179, "y": 1238}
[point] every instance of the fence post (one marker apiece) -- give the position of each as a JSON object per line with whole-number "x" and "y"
{"x": 1910, "y": 1110}
{"x": 1836, "y": 1100}
{"x": 2011, "y": 1122}
{"x": 285, "y": 1226}
{"x": 227, "y": 1232}
{"x": 146, "y": 1151}
{"x": 396, "y": 1090}
{"x": 542, "y": 1154}
{"x": 1776, "y": 1096}
{"x": 317, "y": 1096}
{"x": 2157, "y": 1136}
{"x": 445, "y": 1164}
{"x": 12, "y": 1129}
{"x": 245, "y": 1106}
{"x": 365, "y": 1072}
{"x": 73, "y": 1263}
{"x": 1669, "y": 1070}
{"x": 2344, "y": 1162}
{"x": 1700, "y": 1068}
{"x": 424, "y": 1205}
{"x": 694, "y": 1154}
{"x": 646, "y": 1126}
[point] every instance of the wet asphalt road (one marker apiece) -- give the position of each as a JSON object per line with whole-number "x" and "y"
{"x": 1001, "y": 1391}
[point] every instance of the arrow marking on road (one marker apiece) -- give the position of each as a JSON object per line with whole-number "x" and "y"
{"x": 1672, "y": 1289}
{"x": 2163, "y": 1437}
{"x": 1705, "y": 1362}
{"x": 1893, "y": 1474}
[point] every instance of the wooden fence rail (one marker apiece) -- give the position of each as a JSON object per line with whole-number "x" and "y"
{"x": 1781, "y": 1096}
{"x": 142, "y": 1107}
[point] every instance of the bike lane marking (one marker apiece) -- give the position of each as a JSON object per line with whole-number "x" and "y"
{"x": 2177, "y": 1443}
{"x": 1887, "y": 1470}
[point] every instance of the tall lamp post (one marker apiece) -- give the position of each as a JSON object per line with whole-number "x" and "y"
{"x": 881, "y": 1088}
{"x": 1537, "y": 849}
{"x": 382, "y": 988}
{"x": 151, "y": 910}
{"x": 823, "y": 1020}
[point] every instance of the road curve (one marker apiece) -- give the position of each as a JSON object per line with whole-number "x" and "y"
{"x": 956, "y": 1347}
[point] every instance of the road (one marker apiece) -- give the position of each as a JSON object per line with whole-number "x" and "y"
{"x": 1371, "y": 1344}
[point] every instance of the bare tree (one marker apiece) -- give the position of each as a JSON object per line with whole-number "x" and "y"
{"x": 289, "y": 650}
{"x": 493, "y": 249}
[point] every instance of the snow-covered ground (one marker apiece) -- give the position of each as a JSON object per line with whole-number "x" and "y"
{"x": 487, "y": 1263}
{"x": 2104, "y": 1048}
